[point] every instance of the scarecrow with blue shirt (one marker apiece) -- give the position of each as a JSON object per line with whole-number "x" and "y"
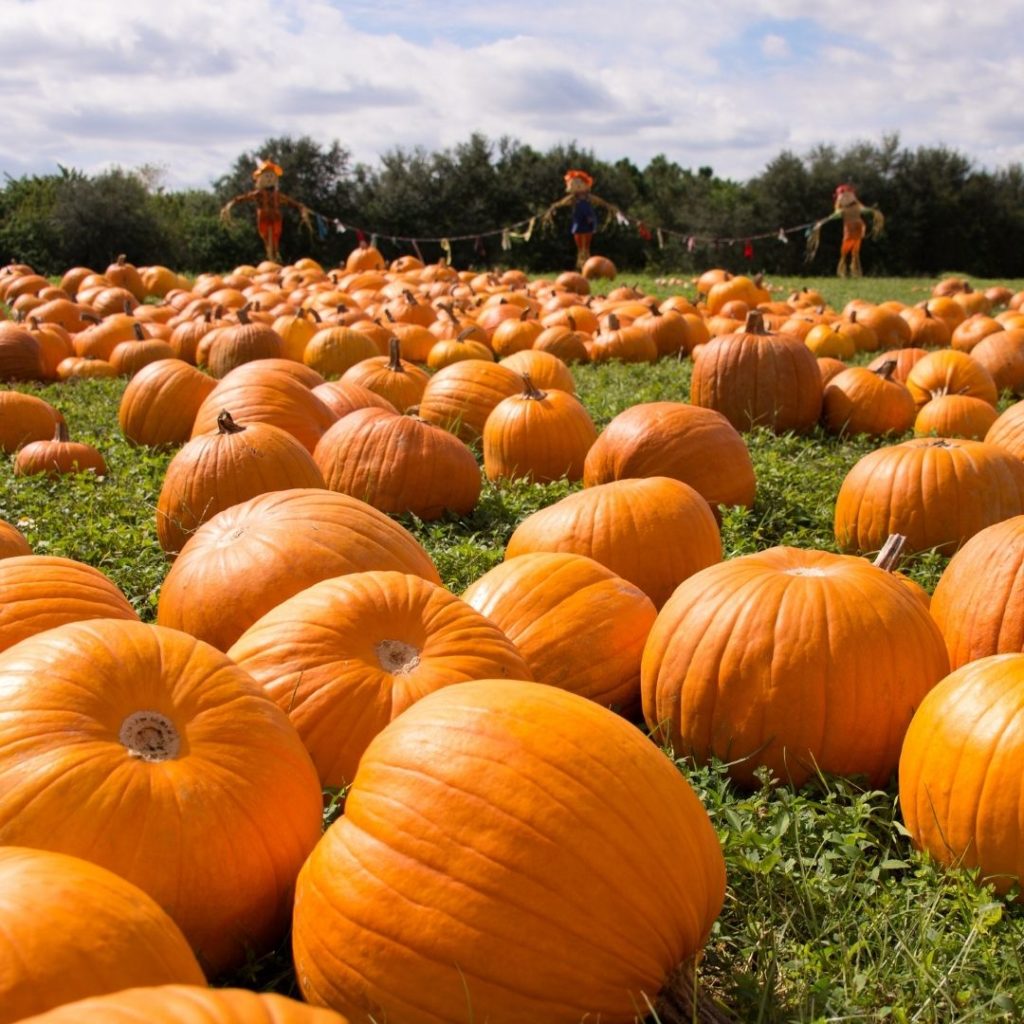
{"x": 578, "y": 185}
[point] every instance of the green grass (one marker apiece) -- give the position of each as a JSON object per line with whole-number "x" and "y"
{"x": 830, "y": 915}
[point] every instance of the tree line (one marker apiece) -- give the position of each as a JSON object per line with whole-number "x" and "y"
{"x": 942, "y": 212}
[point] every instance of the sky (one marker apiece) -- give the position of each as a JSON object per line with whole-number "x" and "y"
{"x": 186, "y": 85}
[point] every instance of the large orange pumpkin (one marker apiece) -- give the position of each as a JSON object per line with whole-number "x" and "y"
{"x": 578, "y": 625}
{"x": 461, "y": 397}
{"x": 960, "y": 778}
{"x": 252, "y": 556}
{"x": 159, "y": 405}
{"x": 698, "y": 446}
{"x": 346, "y": 655}
{"x": 534, "y": 858}
{"x": 654, "y": 531}
{"x": 937, "y": 492}
{"x": 155, "y": 756}
{"x": 25, "y": 418}
{"x": 774, "y": 659}
{"x": 186, "y": 1004}
{"x": 72, "y": 929}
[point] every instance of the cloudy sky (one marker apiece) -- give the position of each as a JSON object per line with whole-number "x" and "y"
{"x": 188, "y": 85}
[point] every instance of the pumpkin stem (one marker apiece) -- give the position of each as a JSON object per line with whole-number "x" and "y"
{"x": 613, "y": 321}
{"x": 60, "y": 432}
{"x": 243, "y": 313}
{"x": 317, "y": 318}
{"x": 465, "y": 333}
{"x": 122, "y": 259}
{"x": 683, "y": 1001}
{"x": 395, "y": 355}
{"x": 227, "y": 425}
{"x": 140, "y": 334}
{"x": 887, "y": 369}
{"x": 150, "y": 736}
{"x": 128, "y": 307}
{"x": 754, "y": 323}
{"x": 530, "y": 390}
{"x": 891, "y": 553}
{"x": 525, "y": 315}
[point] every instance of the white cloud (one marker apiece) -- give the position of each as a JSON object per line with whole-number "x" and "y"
{"x": 190, "y": 85}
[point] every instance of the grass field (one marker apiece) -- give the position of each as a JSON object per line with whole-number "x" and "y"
{"x": 830, "y": 915}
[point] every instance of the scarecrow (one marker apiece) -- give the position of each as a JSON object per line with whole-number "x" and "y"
{"x": 851, "y": 211}
{"x": 268, "y": 199}
{"x": 584, "y": 217}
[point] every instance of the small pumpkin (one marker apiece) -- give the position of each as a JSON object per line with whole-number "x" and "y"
{"x": 59, "y": 455}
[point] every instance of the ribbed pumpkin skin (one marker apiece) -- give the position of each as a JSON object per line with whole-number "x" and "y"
{"x": 955, "y": 416}
{"x": 560, "y": 866}
{"x": 243, "y": 343}
{"x": 1002, "y": 355}
{"x": 906, "y": 359}
{"x": 25, "y": 418}
{"x": 345, "y": 656}
{"x": 399, "y": 464}
{"x": 459, "y": 398}
{"x": 979, "y": 599}
{"x": 21, "y": 357}
{"x": 949, "y": 372}
{"x": 578, "y": 625}
{"x": 860, "y": 401}
{"x": 698, "y": 446}
{"x": 58, "y": 456}
{"x": 184, "y": 1004}
{"x": 333, "y": 350}
{"x": 342, "y": 399}
{"x": 541, "y": 436}
{"x": 938, "y": 492}
{"x": 797, "y": 660}
{"x": 266, "y": 396}
{"x": 252, "y": 556}
{"x": 215, "y": 471}
{"x": 1008, "y": 430}
{"x": 769, "y": 380}
{"x": 73, "y": 929}
{"x": 12, "y": 541}
{"x": 39, "y": 592}
{"x": 216, "y": 834}
{"x": 960, "y": 778}
{"x": 545, "y": 370}
{"x": 399, "y": 381}
{"x": 654, "y": 532}
{"x": 160, "y": 403}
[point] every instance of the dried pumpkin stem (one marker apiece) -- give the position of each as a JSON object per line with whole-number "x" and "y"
{"x": 226, "y": 424}
{"x": 891, "y": 554}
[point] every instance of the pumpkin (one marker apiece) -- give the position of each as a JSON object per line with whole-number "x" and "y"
{"x": 460, "y": 397}
{"x": 21, "y": 357}
{"x": 73, "y": 929}
{"x": 399, "y": 464}
{"x": 254, "y": 555}
{"x": 563, "y": 341}
{"x": 255, "y": 394}
{"x": 697, "y": 446}
{"x": 84, "y": 368}
{"x": 865, "y": 401}
{"x": 755, "y": 378}
{"x": 938, "y": 492}
{"x": 160, "y": 403}
{"x": 333, "y": 349}
{"x": 578, "y": 625}
{"x": 960, "y": 779}
{"x": 400, "y": 382}
{"x": 740, "y": 646}
{"x": 905, "y": 358}
{"x": 58, "y": 456}
{"x": 12, "y": 541}
{"x": 346, "y": 655}
{"x": 515, "y": 335}
{"x": 125, "y": 275}
{"x": 949, "y": 372}
{"x": 155, "y": 756}
{"x": 1002, "y": 355}
{"x": 244, "y": 342}
{"x": 598, "y": 267}
{"x": 629, "y": 344}
{"x": 595, "y": 877}
{"x": 979, "y": 600}
{"x": 453, "y": 350}
{"x": 653, "y": 532}
{"x": 537, "y": 435}
{"x": 968, "y": 334}
{"x": 295, "y": 329}
{"x": 40, "y": 592}
{"x": 829, "y": 339}
{"x": 186, "y": 1004}
{"x": 545, "y": 370}
{"x": 217, "y": 470}
{"x": 955, "y": 416}
{"x": 25, "y": 418}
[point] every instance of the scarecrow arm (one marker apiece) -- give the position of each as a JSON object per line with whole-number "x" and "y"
{"x": 245, "y": 197}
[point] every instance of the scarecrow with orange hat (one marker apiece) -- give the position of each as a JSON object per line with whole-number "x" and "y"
{"x": 269, "y": 200}
{"x": 849, "y": 209}
{"x": 578, "y": 185}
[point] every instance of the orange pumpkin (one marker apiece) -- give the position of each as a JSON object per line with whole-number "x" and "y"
{"x": 529, "y": 895}
{"x": 960, "y": 779}
{"x": 460, "y": 397}
{"x": 58, "y": 455}
{"x": 176, "y": 773}
{"x": 400, "y": 382}
{"x": 653, "y": 532}
{"x": 955, "y": 416}
{"x": 25, "y": 418}
{"x": 864, "y": 401}
{"x": 578, "y": 625}
{"x": 345, "y": 656}
{"x": 185, "y": 1004}
{"x": 537, "y": 435}
{"x": 730, "y": 658}
{"x": 254, "y": 555}
{"x": 73, "y": 929}
{"x": 12, "y": 541}
{"x": 160, "y": 403}
{"x": 949, "y": 372}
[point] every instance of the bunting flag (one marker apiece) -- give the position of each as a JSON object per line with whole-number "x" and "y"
{"x": 447, "y": 246}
